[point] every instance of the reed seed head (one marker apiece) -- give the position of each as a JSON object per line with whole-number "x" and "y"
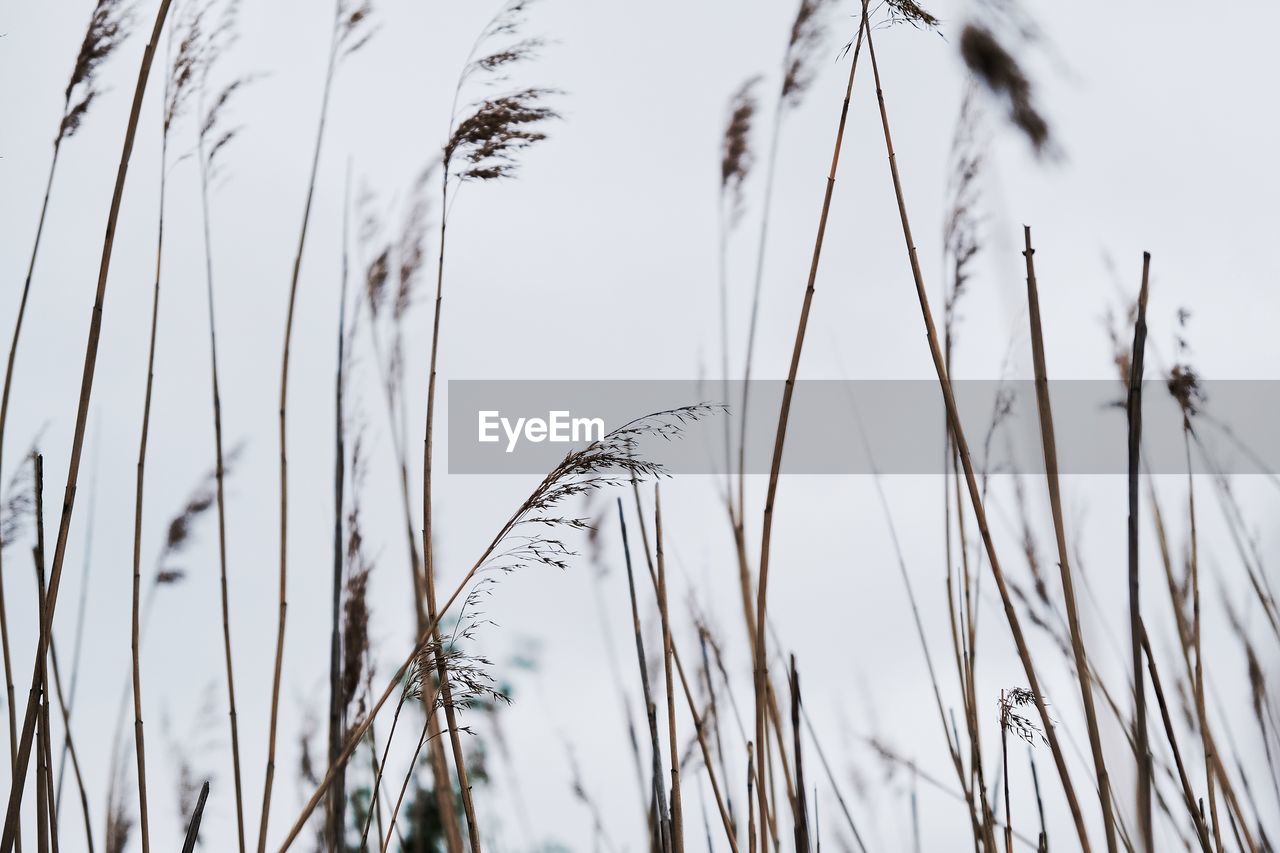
{"x": 802, "y": 47}
{"x": 736, "y": 155}
{"x": 996, "y": 68}
{"x": 487, "y": 141}
{"x": 108, "y": 28}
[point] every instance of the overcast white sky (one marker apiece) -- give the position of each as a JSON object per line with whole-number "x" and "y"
{"x": 599, "y": 261}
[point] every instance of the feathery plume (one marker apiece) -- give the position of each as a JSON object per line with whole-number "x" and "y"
{"x": 737, "y": 156}
{"x": 1184, "y": 386}
{"x": 996, "y": 68}
{"x": 187, "y": 65}
{"x": 355, "y": 27}
{"x": 487, "y": 140}
{"x": 797, "y": 63}
{"x": 497, "y": 128}
{"x": 960, "y": 234}
{"x": 909, "y": 12}
{"x": 200, "y": 501}
{"x": 20, "y": 501}
{"x": 411, "y": 247}
{"x": 108, "y": 28}
{"x": 1012, "y": 721}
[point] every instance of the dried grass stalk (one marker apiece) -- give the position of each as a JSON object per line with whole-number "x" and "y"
{"x": 760, "y": 659}
{"x": 77, "y": 444}
{"x": 351, "y": 31}
{"x": 975, "y": 493}
{"x": 1050, "y": 448}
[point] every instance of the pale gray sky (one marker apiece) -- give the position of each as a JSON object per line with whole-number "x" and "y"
{"x": 599, "y": 261}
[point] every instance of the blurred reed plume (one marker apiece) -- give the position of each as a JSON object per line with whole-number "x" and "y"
{"x": 108, "y": 28}
{"x": 807, "y": 35}
{"x": 992, "y": 64}
{"x": 736, "y": 155}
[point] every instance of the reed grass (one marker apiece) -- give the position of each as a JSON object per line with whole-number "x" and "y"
{"x": 760, "y": 664}
{"x": 349, "y": 33}
{"x": 1049, "y": 444}
{"x": 975, "y": 496}
{"x": 211, "y": 141}
{"x": 1134, "y": 414}
{"x": 77, "y": 445}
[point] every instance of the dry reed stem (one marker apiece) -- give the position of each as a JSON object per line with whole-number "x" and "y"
{"x": 1202, "y": 832}
{"x": 283, "y": 431}
{"x": 428, "y": 557}
{"x": 335, "y": 808}
{"x": 979, "y": 825}
{"x": 677, "y": 810}
{"x": 1198, "y": 683}
{"x": 77, "y": 443}
{"x": 442, "y": 790}
{"x": 136, "y": 600}
{"x": 220, "y": 486}
{"x": 46, "y": 817}
{"x": 975, "y": 495}
{"x": 831, "y": 780}
{"x": 699, "y": 726}
{"x": 1186, "y": 644}
{"x": 4, "y": 419}
{"x": 379, "y": 768}
{"x": 751, "y": 801}
{"x": 663, "y": 830}
{"x": 760, "y": 666}
{"x": 802, "y": 819}
{"x": 193, "y": 827}
{"x": 803, "y": 41}
{"x": 485, "y": 143}
{"x": 69, "y": 748}
{"x": 8, "y": 679}
{"x": 1049, "y": 445}
{"x": 1134, "y": 411}
{"x": 774, "y": 716}
{"x": 1004, "y": 765}
{"x": 404, "y": 786}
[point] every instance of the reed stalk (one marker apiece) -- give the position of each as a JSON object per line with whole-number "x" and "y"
{"x": 68, "y": 703}
{"x": 677, "y": 807}
{"x": 77, "y": 442}
{"x": 203, "y": 156}
{"x": 662, "y": 831}
{"x": 193, "y": 827}
{"x": 1049, "y": 445}
{"x": 337, "y": 724}
{"x": 69, "y": 748}
{"x": 1134, "y": 412}
{"x": 784, "y": 412}
{"x": 46, "y": 813}
{"x": 962, "y": 446}
{"x": 404, "y": 786}
{"x": 1202, "y": 832}
{"x": 335, "y": 52}
{"x": 802, "y": 821}
{"x": 1198, "y": 684}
